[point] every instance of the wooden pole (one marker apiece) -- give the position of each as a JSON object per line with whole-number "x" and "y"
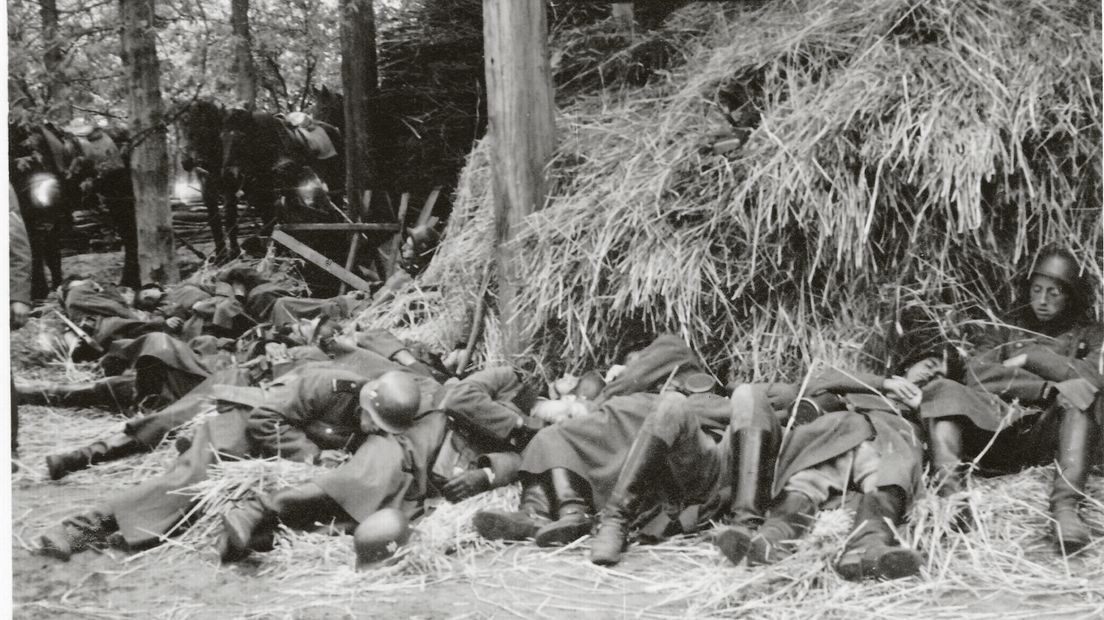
{"x": 360, "y": 80}
{"x": 523, "y": 134}
{"x": 241, "y": 65}
{"x": 150, "y": 158}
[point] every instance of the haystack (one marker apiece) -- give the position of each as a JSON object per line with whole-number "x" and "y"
{"x": 898, "y": 153}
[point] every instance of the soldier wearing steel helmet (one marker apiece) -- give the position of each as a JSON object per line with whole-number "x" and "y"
{"x": 1031, "y": 397}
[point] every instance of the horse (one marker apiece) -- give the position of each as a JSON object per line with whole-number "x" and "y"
{"x": 55, "y": 169}
{"x": 293, "y": 160}
{"x": 200, "y": 137}
{"x": 35, "y": 171}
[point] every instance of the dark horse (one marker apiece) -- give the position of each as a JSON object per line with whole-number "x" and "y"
{"x": 287, "y": 168}
{"x": 53, "y": 172}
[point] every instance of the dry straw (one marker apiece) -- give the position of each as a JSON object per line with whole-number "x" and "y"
{"x": 897, "y": 149}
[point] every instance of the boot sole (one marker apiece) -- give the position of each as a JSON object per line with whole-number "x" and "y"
{"x": 554, "y": 535}
{"x": 898, "y": 564}
{"x": 499, "y": 526}
{"x": 734, "y": 544}
{"x": 235, "y": 548}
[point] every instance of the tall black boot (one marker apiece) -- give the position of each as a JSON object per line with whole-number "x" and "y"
{"x": 873, "y": 550}
{"x": 635, "y": 486}
{"x": 1075, "y": 438}
{"x": 117, "y": 447}
{"x": 754, "y": 452}
{"x": 573, "y": 518}
{"x": 245, "y": 526}
{"x": 788, "y": 520}
{"x": 534, "y": 511}
{"x": 77, "y": 533}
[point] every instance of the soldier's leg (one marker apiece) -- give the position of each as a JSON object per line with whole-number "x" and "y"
{"x": 110, "y": 392}
{"x": 571, "y": 495}
{"x": 755, "y": 437}
{"x": 249, "y": 525}
{"x": 873, "y": 549}
{"x": 670, "y": 445}
{"x": 1077, "y": 435}
{"x": 534, "y": 511}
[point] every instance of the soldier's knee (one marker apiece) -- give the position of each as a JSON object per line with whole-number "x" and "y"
{"x": 670, "y": 417}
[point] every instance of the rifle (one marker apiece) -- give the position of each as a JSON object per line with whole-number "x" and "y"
{"x": 84, "y": 337}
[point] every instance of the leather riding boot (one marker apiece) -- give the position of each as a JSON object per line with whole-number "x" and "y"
{"x": 534, "y": 511}
{"x": 572, "y": 496}
{"x": 77, "y": 533}
{"x": 873, "y": 550}
{"x": 109, "y": 392}
{"x": 116, "y": 447}
{"x": 249, "y": 520}
{"x": 635, "y": 487}
{"x": 788, "y": 520}
{"x": 1074, "y": 442}
{"x": 753, "y": 455}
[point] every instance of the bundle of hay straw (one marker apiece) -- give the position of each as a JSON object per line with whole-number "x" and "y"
{"x": 898, "y": 153}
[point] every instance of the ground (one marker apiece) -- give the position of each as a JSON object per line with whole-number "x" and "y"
{"x": 1005, "y": 568}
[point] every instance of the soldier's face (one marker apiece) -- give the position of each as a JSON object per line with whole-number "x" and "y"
{"x": 367, "y": 423}
{"x": 1048, "y": 298}
{"x": 926, "y": 370}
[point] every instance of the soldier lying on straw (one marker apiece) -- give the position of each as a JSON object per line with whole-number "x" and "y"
{"x": 478, "y": 424}
{"x": 1049, "y": 363}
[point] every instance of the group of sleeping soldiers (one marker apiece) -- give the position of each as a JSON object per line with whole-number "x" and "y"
{"x": 650, "y": 444}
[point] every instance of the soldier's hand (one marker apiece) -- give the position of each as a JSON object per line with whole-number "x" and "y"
{"x": 465, "y": 485}
{"x": 1075, "y": 394}
{"x": 902, "y": 389}
{"x": 1017, "y": 361}
{"x": 331, "y": 458}
{"x": 19, "y": 313}
{"x": 174, "y": 323}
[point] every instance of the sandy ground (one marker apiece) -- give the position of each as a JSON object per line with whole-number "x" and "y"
{"x": 983, "y": 577}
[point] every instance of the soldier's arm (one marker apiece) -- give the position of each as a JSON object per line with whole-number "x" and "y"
{"x": 482, "y": 402}
{"x": 1048, "y": 363}
{"x": 1007, "y": 383}
{"x": 273, "y": 429}
{"x": 843, "y": 382}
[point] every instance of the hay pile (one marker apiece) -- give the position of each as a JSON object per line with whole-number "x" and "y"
{"x": 898, "y": 153}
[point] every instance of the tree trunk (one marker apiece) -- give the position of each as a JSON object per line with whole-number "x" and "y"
{"x": 523, "y": 136}
{"x": 57, "y": 96}
{"x": 245, "y": 73}
{"x": 360, "y": 81}
{"x": 149, "y": 161}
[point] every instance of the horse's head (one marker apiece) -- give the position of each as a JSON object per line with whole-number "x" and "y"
{"x": 199, "y": 129}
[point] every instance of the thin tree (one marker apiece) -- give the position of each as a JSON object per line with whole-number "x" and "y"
{"x": 245, "y": 73}
{"x": 360, "y": 81}
{"x": 52, "y": 58}
{"x": 149, "y": 160}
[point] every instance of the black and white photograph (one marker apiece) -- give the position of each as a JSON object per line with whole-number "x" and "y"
{"x": 555, "y": 309}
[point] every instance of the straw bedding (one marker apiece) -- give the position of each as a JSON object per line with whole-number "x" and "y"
{"x": 898, "y": 153}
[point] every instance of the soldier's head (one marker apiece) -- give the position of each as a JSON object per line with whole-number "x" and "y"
{"x": 1055, "y": 290}
{"x": 149, "y": 297}
{"x": 924, "y": 364}
{"x": 389, "y": 403}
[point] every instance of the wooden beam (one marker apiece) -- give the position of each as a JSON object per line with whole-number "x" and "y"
{"x": 397, "y": 251}
{"x": 340, "y": 227}
{"x": 523, "y": 135}
{"x": 310, "y": 254}
{"x": 427, "y": 210}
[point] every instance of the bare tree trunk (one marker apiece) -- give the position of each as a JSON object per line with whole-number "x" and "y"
{"x": 360, "y": 81}
{"x": 244, "y": 71}
{"x": 52, "y": 57}
{"x": 523, "y": 135}
{"x": 149, "y": 161}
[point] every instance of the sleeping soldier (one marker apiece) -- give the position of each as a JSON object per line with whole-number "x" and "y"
{"x": 1048, "y": 363}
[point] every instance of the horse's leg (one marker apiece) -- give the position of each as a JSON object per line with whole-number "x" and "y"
{"x": 52, "y": 253}
{"x": 118, "y": 195}
{"x": 230, "y": 198}
{"x": 39, "y": 290}
{"x": 211, "y": 200}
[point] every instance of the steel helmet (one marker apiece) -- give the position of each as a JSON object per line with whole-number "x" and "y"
{"x": 1058, "y": 263}
{"x": 392, "y": 401}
